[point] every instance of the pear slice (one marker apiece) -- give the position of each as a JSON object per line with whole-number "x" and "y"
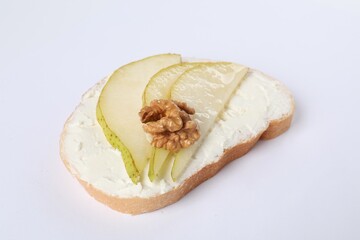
{"x": 159, "y": 88}
{"x": 207, "y": 88}
{"x": 156, "y": 162}
{"x": 118, "y": 107}
{"x": 160, "y": 84}
{"x": 159, "y": 158}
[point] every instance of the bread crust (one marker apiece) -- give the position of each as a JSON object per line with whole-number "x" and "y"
{"x": 139, "y": 205}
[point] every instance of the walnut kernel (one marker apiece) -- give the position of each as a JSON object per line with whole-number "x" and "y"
{"x": 170, "y": 124}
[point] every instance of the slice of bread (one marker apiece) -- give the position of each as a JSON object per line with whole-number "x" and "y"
{"x": 262, "y": 108}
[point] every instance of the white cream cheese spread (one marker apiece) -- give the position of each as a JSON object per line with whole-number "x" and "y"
{"x": 257, "y": 101}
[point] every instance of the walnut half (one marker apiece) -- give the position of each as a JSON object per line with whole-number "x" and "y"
{"x": 169, "y": 124}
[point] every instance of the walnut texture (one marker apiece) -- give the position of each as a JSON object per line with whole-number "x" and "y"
{"x": 169, "y": 124}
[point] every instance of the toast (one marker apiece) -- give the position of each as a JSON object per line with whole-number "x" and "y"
{"x": 260, "y": 108}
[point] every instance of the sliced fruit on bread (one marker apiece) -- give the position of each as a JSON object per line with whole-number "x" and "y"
{"x": 259, "y": 108}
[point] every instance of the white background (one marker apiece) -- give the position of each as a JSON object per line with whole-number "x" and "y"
{"x": 303, "y": 185}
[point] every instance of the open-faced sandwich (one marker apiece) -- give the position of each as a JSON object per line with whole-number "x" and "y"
{"x": 156, "y": 128}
